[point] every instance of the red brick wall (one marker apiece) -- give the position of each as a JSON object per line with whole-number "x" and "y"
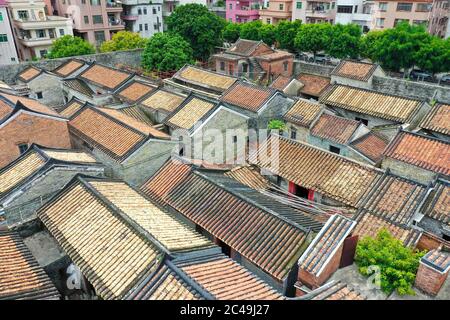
{"x": 276, "y": 67}
{"x": 314, "y": 282}
{"x": 429, "y": 280}
{"x": 262, "y": 49}
{"x": 31, "y": 129}
{"x": 429, "y": 242}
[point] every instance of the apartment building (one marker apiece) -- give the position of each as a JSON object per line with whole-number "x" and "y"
{"x": 314, "y": 11}
{"x": 243, "y": 11}
{"x": 8, "y": 52}
{"x": 34, "y": 30}
{"x": 439, "y": 19}
{"x": 143, "y": 16}
{"x": 93, "y": 20}
{"x": 275, "y": 11}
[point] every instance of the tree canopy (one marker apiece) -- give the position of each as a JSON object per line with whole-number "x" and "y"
{"x": 231, "y": 32}
{"x": 69, "y": 46}
{"x": 313, "y": 37}
{"x": 285, "y": 33}
{"x": 397, "y": 264}
{"x": 123, "y": 40}
{"x": 197, "y": 25}
{"x": 251, "y": 30}
{"x": 434, "y": 55}
{"x": 344, "y": 41}
{"x": 166, "y": 52}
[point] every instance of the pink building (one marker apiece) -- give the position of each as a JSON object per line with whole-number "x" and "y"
{"x": 243, "y": 11}
{"x": 93, "y": 20}
{"x": 439, "y": 20}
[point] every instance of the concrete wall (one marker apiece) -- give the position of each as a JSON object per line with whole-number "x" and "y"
{"x": 130, "y": 57}
{"x": 306, "y": 67}
{"x": 408, "y": 171}
{"x": 50, "y": 86}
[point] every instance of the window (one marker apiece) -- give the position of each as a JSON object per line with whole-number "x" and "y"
{"x": 97, "y": 19}
{"x": 231, "y": 69}
{"x": 86, "y": 19}
{"x": 1, "y": 17}
{"x": 234, "y": 139}
{"x": 244, "y": 67}
{"x": 383, "y": 6}
{"x": 231, "y": 6}
{"x": 268, "y": 21}
{"x": 23, "y": 147}
{"x": 281, "y": 6}
{"x": 145, "y": 10}
{"x": 380, "y": 22}
{"x": 83, "y": 1}
{"x": 3, "y": 38}
{"x": 344, "y": 9}
{"x": 293, "y": 134}
{"x": 39, "y": 95}
{"x": 51, "y": 33}
{"x": 299, "y": 5}
{"x": 154, "y": 11}
{"x": 40, "y": 33}
{"x": 423, "y": 7}
{"x": 397, "y": 21}
{"x": 222, "y": 66}
{"x": 61, "y": 32}
{"x": 333, "y": 5}
{"x": 356, "y": 9}
{"x": 99, "y": 36}
{"x": 146, "y": 27}
{"x": 139, "y": 11}
{"x": 23, "y": 14}
{"x": 335, "y": 149}
{"x": 95, "y": 2}
{"x": 404, "y": 6}
{"x": 140, "y": 27}
{"x": 43, "y": 53}
{"x": 364, "y": 121}
{"x": 285, "y": 65}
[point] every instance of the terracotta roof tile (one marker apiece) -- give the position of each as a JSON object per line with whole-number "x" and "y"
{"x": 245, "y": 47}
{"x": 370, "y": 225}
{"x": 334, "y": 128}
{"x": 134, "y": 91}
{"x": 278, "y": 54}
{"x": 249, "y": 176}
{"x": 334, "y": 290}
{"x": 438, "y": 260}
{"x": 103, "y": 76}
{"x": 329, "y": 174}
{"x": 371, "y": 145}
{"x": 79, "y": 86}
{"x": 69, "y": 67}
{"x": 373, "y": 103}
{"x": 248, "y": 96}
{"x": 189, "y": 113}
{"x": 71, "y": 108}
{"x": 303, "y": 113}
{"x": 29, "y": 74}
{"x": 75, "y": 156}
{"x": 21, "y": 277}
{"x": 163, "y": 100}
{"x": 280, "y": 82}
{"x": 204, "y": 78}
{"x": 31, "y": 104}
{"x": 313, "y": 85}
{"x": 427, "y": 153}
{"x": 437, "y": 206}
{"x": 356, "y": 70}
{"x": 5, "y": 109}
{"x": 136, "y": 113}
{"x": 438, "y": 119}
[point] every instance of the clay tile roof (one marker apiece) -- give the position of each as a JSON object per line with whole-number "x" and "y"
{"x": 89, "y": 230}
{"x": 438, "y": 260}
{"x": 334, "y": 128}
{"x": 373, "y": 103}
{"x": 204, "y": 78}
{"x": 333, "y": 290}
{"x": 5, "y": 109}
{"x": 278, "y": 54}
{"x": 29, "y": 74}
{"x": 112, "y": 136}
{"x": 136, "y": 113}
{"x": 134, "y": 91}
{"x": 190, "y": 112}
{"x": 19, "y": 170}
{"x": 437, "y": 205}
{"x": 370, "y": 225}
{"x": 281, "y": 82}
{"x": 21, "y": 277}
{"x": 248, "y": 96}
{"x": 394, "y": 198}
{"x": 227, "y": 280}
{"x": 79, "y": 86}
{"x": 438, "y": 119}
{"x": 249, "y": 176}
{"x": 69, "y": 67}
{"x": 31, "y": 104}
{"x": 303, "y": 113}
{"x": 371, "y": 145}
{"x": 163, "y": 100}
{"x": 317, "y": 256}
{"x": 266, "y": 240}
{"x": 105, "y": 77}
{"x": 356, "y": 70}
{"x": 70, "y": 108}
{"x": 75, "y": 156}
{"x": 332, "y": 175}
{"x": 244, "y": 47}
{"x": 427, "y": 153}
{"x": 313, "y": 85}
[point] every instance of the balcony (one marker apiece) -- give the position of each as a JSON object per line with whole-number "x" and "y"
{"x": 247, "y": 12}
{"x": 318, "y": 13}
{"x": 36, "y": 42}
{"x": 129, "y": 17}
{"x": 275, "y": 14}
{"x": 116, "y": 24}
{"x": 113, "y": 7}
{"x": 50, "y": 22}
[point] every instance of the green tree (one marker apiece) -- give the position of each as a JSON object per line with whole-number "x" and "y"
{"x": 198, "y": 26}
{"x": 267, "y": 34}
{"x": 344, "y": 41}
{"x": 251, "y": 30}
{"x": 434, "y": 55}
{"x": 123, "y": 40}
{"x": 397, "y": 264}
{"x": 231, "y": 32}
{"x": 368, "y": 43}
{"x": 69, "y": 46}
{"x": 313, "y": 37}
{"x": 166, "y": 52}
{"x": 285, "y": 33}
{"x": 276, "y": 124}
